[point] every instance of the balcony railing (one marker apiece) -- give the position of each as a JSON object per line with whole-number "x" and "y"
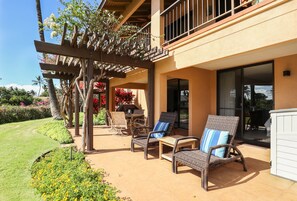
{"x": 144, "y": 34}
{"x": 185, "y": 17}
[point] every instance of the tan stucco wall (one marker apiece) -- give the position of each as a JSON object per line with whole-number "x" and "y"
{"x": 140, "y": 99}
{"x": 202, "y": 90}
{"x": 136, "y": 79}
{"x": 285, "y": 87}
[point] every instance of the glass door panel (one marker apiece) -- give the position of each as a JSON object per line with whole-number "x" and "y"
{"x": 178, "y": 101}
{"x": 258, "y": 101}
{"x": 248, "y": 93}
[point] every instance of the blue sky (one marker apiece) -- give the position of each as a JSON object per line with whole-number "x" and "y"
{"x": 19, "y": 61}
{"x": 18, "y": 29}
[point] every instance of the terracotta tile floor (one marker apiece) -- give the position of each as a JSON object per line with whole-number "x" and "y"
{"x": 153, "y": 180}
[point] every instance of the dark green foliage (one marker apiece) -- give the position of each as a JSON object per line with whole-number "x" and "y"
{"x": 10, "y": 114}
{"x": 15, "y": 96}
{"x": 61, "y": 175}
{"x": 56, "y": 130}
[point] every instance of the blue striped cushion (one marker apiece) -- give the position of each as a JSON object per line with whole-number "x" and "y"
{"x": 160, "y": 126}
{"x": 212, "y": 138}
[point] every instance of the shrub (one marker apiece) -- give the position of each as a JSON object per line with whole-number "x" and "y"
{"x": 62, "y": 176}
{"x": 15, "y": 96}
{"x": 98, "y": 119}
{"x": 56, "y": 130}
{"x": 10, "y": 114}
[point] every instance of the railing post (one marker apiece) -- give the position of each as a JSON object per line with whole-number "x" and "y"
{"x": 188, "y": 17}
{"x": 232, "y": 7}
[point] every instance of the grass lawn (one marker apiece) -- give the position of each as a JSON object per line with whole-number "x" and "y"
{"x": 20, "y": 145}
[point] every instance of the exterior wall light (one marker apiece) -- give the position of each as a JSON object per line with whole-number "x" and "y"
{"x": 286, "y": 73}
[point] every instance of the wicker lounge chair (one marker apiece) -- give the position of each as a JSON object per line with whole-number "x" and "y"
{"x": 146, "y": 141}
{"x": 110, "y": 122}
{"x": 119, "y": 121}
{"x": 203, "y": 162}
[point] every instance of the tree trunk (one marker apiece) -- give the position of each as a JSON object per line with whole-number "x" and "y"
{"x": 54, "y": 104}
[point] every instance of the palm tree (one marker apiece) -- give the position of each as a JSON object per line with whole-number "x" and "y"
{"x": 38, "y": 82}
{"x": 55, "y": 109}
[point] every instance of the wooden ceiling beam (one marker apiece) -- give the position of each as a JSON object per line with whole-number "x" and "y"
{"x": 130, "y": 9}
{"x": 85, "y": 53}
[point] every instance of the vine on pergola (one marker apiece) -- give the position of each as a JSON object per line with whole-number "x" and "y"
{"x": 83, "y": 18}
{"x": 91, "y": 51}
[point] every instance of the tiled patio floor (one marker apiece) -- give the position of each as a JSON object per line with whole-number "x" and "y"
{"x": 153, "y": 180}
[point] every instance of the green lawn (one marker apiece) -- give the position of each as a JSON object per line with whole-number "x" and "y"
{"x": 20, "y": 145}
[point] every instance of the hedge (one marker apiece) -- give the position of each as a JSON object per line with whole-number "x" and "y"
{"x": 56, "y": 130}
{"x": 10, "y": 114}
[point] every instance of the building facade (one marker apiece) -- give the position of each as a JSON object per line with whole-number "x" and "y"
{"x": 226, "y": 57}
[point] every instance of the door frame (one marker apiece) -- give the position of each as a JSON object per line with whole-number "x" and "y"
{"x": 241, "y": 123}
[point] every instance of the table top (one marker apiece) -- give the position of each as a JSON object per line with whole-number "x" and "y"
{"x": 133, "y": 115}
{"x": 171, "y": 139}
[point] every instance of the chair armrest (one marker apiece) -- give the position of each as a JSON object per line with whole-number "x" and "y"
{"x": 217, "y": 147}
{"x": 183, "y": 138}
{"x": 152, "y": 132}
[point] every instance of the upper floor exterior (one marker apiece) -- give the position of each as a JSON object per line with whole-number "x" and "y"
{"x": 214, "y": 34}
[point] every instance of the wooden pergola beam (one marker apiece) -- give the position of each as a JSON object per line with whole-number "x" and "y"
{"x": 57, "y": 76}
{"x": 100, "y": 56}
{"x": 75, "y": 70}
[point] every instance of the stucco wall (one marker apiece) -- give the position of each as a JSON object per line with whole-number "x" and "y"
{"x": 285, "y": 87}
{"x": 201, "y": 98}
{"x": 136, "y": 79}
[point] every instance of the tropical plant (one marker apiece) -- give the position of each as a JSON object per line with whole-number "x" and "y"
{"x": 123, "y": 97}
{"x": 55, "y": 110}
{"x": 38, "y": 82}
{"x": 83, "y": 15}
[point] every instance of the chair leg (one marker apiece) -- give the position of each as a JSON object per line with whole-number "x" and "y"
{"x": 145, "y": 152}
{"x": 204, "y": 179}
{"x": 132, "y": 146}
{"x": 243, "y": 163}
{"x": 173, "y": 164}
{"x": 241, "y": 158}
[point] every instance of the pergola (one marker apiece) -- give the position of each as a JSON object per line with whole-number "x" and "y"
{"x": 92, "y": 57}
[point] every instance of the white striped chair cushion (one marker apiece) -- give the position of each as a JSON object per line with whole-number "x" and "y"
{"x": 212, "y": 138}
{"x": 160, "y": 126}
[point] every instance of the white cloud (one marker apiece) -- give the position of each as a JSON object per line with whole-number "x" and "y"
{"x": 26, "y": 87}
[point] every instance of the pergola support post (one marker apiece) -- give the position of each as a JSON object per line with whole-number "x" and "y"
{"x": 90, "y": 75}
{"x": 106, "y": 99}
{"x": 70, "y": 110}
{"x": 76, "y": 109}
{"x": 151, "y": 95}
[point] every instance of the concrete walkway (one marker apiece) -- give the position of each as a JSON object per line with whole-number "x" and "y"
{"x": 153, "y": 180}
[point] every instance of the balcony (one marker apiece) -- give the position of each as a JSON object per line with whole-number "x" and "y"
{"x": 185, "y": 17}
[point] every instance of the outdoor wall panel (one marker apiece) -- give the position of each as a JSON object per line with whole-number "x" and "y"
{"x": 284, "y": 143}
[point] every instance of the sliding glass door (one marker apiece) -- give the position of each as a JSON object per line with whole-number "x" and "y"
{"x": 248, "y": 93}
